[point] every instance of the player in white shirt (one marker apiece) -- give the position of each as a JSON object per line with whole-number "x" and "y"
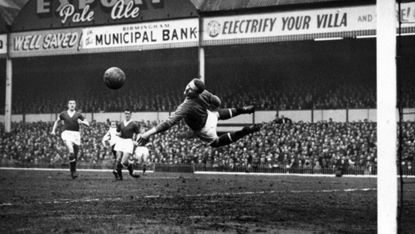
{"x": 110, "y": 138}
{"x": 142, "y": 154}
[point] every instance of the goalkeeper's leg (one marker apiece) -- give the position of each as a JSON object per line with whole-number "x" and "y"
{"x": 232, "y": 112}
{"x": 230, "y": 137}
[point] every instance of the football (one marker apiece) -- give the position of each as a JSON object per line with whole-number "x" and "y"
{"x": 114, "y": 78}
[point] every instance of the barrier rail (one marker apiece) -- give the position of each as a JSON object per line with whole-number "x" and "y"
{"x": 264, "y": 169}
{"x": 188, "y": 168}
{"x": 341, "y": 115}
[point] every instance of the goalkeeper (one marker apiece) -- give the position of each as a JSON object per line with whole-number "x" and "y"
{"x": 197, "y": 114}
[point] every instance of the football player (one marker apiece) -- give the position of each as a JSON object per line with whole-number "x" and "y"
{"x": 196, "y": 110}
{"x": 71, "y": 135}
{"x": 124, "y": 147}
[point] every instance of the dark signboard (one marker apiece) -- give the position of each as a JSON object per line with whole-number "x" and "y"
{"x": 54, "y": 14}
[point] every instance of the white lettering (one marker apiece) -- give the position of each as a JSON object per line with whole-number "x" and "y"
{"x": 28, "y": 42}
{"x": 73, "y": 40}
{"x": 120, "y": 11}
{"x": 54, "y": 42}
{"x": 18, "y": 43}
{"x": 60, "y": 40}
{"x": 66, "y": 12}
{"x": 69, "y": 11}
{"x": 35, "y": 43}
{"x": 46, "y": 41}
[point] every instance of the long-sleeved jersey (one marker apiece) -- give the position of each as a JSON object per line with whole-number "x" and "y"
{"x": 193, "y": 111}
{"x": 71, "y": 122}
{"x": 128, "y": 129}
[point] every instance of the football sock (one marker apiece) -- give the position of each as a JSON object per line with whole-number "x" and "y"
{"x": 114, "y": 152}
{"x": 115, "y": 164}
{"x": 228, "y": 138}
{"x": 227, "y": 113}
{"x": 119, "y": 170}
{"x": 72, "y": 162}
{"x": 129, "y": 167}
{"x": 240, "y": 110}
{"x": 75, "y": 150}
{"x": 119, "y": 166}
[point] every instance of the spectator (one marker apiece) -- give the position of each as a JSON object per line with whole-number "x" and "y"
{"x": 317, "y": 145}
{"x": 282, "y": 119}
{"x": 157, "y": 93}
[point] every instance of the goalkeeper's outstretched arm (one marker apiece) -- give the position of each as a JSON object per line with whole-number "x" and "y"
{"x": 149, "y": 133}
{"x": 142, "y": 139}
{"x": 172, "y": 120}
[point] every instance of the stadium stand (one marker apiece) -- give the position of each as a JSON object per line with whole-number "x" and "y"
{"x": 321, "y": 145}
{"x": 284, "y": 76}
{"x": 155, "y": 80}
{"x": 48, "y": 93}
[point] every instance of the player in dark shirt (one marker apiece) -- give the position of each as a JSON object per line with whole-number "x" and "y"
{"x": 71, "y": 135}
{"x": 197, "y": 114}
{"x": 127, "y": 131}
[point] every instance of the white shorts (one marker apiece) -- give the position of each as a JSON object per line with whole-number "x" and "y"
{"x": 71, "y": 136}
{"x": 208, "y": 132}
{"x": 124, "y": 145}
{"x": 141, "y": 153}
{"x": 114, "y": 140}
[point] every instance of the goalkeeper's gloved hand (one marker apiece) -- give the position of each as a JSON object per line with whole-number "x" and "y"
{"x": 142, "y": 141}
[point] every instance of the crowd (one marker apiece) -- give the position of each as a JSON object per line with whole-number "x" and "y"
{"x": 158, "y": 86}
{"x": 318, "y": 145}
{"x": 298, "y": 145}
{"x": 162, "y": 92}
{"x": 148, "y": 97}
{"x": 32, "y": 143}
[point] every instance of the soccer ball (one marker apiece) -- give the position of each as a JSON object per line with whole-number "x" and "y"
{"x": 114, "y": 78}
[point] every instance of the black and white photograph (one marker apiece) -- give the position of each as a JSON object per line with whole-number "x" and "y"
{"x": 207, "y": 116}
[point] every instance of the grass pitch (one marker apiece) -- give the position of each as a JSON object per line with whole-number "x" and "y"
{"x": 51, "y": 202}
